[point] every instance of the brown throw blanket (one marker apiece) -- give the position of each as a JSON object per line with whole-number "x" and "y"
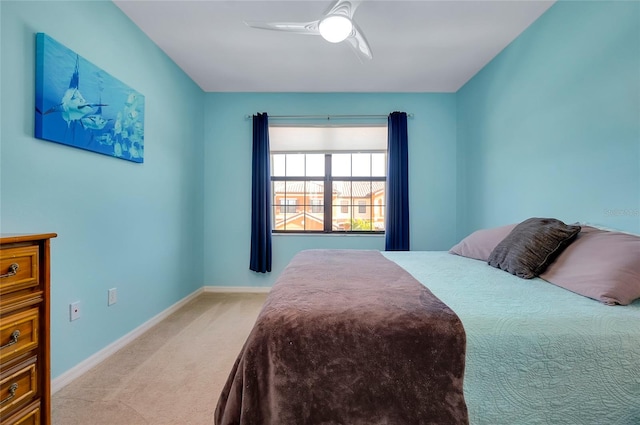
{"x": 348, "y": 337}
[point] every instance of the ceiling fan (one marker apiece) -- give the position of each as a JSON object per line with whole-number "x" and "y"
{"x": 335, "y": 26}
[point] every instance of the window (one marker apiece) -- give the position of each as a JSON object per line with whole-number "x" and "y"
{"x": 288, "y": 206}
{"x": 362, "y": 207}
{"x": 328, "y": 179}
{"x": 316, "y": 206}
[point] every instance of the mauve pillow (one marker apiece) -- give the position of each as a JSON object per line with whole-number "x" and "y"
{"x": 480, "y": 243}
{"x": 599, "y": 264}
{"x": 531, "y": 246}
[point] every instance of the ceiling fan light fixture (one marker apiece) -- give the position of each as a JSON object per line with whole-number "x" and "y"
{"x": 335, "y": 28}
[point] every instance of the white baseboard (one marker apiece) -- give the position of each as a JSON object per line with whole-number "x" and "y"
{"x": 81, "y": 368}
{"x": 238, "y": 289}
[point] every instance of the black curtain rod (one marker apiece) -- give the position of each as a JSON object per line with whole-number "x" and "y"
{"x": 325, "y": 117}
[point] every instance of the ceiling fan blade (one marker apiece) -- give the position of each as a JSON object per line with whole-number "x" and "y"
{"x": 309, "y": 28}
{"x": 359, "y": 44}
{"x": 343, "y": 7}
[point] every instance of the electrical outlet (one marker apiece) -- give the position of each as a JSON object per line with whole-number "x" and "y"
{"x": 113, "y": 296}
{"x": 74, "y": 311}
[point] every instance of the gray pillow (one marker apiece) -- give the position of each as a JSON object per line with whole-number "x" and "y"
{"x": 531, "y": 246}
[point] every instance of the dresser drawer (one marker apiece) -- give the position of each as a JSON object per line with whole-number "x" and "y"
{"x": 18, "y": 268}
{"x": 18, "y": 386}
{"x": 18, "y": 333}
{"x": 25, "y": 362}
{"x": 30, "y": 415}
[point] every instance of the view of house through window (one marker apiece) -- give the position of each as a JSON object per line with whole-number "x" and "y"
{"x": 328, "y": 179}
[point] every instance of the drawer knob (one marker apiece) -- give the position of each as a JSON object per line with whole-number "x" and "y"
{"x": 14, "y": 338}
{"x": 13, "y": 269}
{"x": 12, "y": 392}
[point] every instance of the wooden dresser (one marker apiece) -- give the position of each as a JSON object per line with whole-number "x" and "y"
{"x": 25, "y": 382}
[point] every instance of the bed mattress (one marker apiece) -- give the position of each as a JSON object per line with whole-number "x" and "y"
{"x": 536, "y": 353}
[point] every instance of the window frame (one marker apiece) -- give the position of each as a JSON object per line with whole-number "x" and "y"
{"x": 328, "y": 179}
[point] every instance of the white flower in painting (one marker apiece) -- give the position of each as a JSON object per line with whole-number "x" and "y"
{"x": 133, "y": 152}
{"x": 139, "y": 130}
{"x": 137, "y": 133}
{"x": 117, "y": 149}
{"x": 131, "y": 107}
{"x": 117, "y": 126}
{"x": 131, "y": 99}
{"x": 105, "y": 139}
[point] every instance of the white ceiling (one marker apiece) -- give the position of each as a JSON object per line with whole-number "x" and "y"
{"x": 418, "y": 46}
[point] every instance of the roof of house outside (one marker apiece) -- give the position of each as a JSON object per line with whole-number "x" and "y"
{"x": 290, "y": 217}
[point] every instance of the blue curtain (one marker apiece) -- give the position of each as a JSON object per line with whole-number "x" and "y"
{"x": 261, "y": 197}
{"x": 397, "y": 215}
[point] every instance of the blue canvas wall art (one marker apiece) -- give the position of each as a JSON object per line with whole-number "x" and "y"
{"x": 80, "y": 105}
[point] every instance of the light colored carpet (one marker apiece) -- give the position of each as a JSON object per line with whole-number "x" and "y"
{"x": 173, "y": 374}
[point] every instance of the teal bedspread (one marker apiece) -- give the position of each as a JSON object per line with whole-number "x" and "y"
{"x": 536, "y": 353}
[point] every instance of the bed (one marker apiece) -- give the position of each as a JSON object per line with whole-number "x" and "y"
{"x": 535, "y": 353}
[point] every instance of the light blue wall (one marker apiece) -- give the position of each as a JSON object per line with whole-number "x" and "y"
{"x": 551, "y": 127}
{"x": 136, "y": 227}
{"x": 432, "y": 175}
